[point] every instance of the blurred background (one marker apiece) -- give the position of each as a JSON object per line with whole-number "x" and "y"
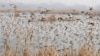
{"x": 54, "y": 4}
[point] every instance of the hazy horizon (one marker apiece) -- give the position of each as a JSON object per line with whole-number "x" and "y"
{"x": 59, "y": 4}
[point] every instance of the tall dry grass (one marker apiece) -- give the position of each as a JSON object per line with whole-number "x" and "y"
{"x": 8, "y": 51}
{"x": 48, "y": 51}
{"x": 85, "y": 50}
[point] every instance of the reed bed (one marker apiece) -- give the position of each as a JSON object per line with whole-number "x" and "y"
{"x": 86, "y": 50}
{"x": 27, "y": 35}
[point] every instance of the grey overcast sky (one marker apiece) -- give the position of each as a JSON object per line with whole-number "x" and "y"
{"x": 66, "y": 2}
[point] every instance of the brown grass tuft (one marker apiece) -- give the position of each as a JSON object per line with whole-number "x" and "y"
{"x": 48, "y": 51}
{"x": 86, "y": 50}
{"x": 25, "y": 53}
{"x": 52, "y": 18}
{"x": 8, "y": 51}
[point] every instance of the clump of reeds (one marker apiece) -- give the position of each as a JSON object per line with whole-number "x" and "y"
{"x": 87, "y": 50}
{"x": 25, "y": 53}
{"x": 52, "y": 18}
{"x": 66, "y": 52}
{"x": 8, "y": 51}
{"x": 48, "y": 51}
{"x": 84, "y": 51}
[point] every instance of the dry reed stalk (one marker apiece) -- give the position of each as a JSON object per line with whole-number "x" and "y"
{"x": 17, "y": 41}
{"x": 8, "y": 51}
{"x": 72, "y": 51}
{"x": 30, "y": 35}
{"x": 25, "y": 51}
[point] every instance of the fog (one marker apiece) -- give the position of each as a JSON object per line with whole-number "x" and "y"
{"x": 55, "y": 4}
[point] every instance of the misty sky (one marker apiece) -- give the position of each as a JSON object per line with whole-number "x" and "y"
{"x": 65, "y": 2}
